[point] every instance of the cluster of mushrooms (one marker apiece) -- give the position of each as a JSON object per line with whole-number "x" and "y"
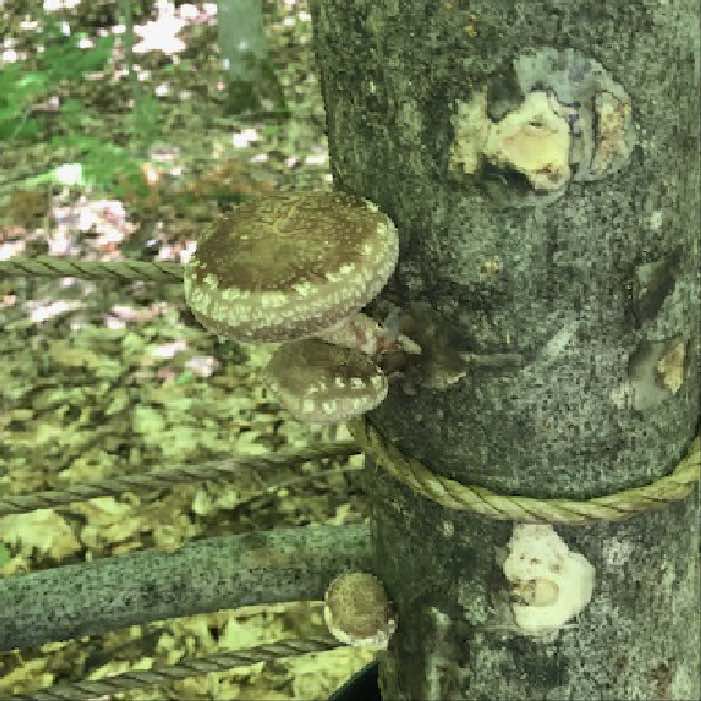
{"x": 296, "y": 269}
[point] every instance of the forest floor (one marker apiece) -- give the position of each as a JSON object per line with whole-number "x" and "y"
{"x": 102, "y": 379}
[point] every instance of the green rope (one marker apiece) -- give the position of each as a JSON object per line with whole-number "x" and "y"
{"x": 123, "y": 270}
{"x": 454, "y": 495}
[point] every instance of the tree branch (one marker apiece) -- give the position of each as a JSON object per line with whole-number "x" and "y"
{"x": 291, "y": 564}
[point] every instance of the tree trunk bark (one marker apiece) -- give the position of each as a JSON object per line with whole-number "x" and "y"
{"x": 541, "y": 162}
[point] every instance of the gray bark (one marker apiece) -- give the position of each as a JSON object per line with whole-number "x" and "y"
{"x": 290, "y": 564}
{"x": 591, "y": 289}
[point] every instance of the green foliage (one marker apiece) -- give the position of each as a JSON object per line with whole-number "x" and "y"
{"x": 73, "y": 116}
{"x": 61, "y": 66}
{"x": 65, "y": 61}
{"x": 18, "y": 91}
{"x": 184, "y": 377}
{"x": 144, "y": 120}
{"x": 4, "y": 555}
{"x": 105, "y": 165}
{"x": 61, "y": 60}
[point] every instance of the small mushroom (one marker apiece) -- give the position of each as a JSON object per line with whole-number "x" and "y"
{"x": 289, "y": 266}
{"x": 362, "y": 332}
{"x": 323, "y": 383}
{"x": 357, "y": 611}
{"x": 549, "y": 583}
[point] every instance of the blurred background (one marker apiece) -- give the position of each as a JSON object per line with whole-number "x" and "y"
{"x": 125, "y": 127}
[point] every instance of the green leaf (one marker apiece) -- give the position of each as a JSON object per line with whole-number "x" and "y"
{"x": 66, "y": 61}
{"x": 75, "y": 116}
{"x": 144, "y": 120}
{"x": 103, "y": 162}
{"x": 18, "y": 91}
{"x": 184, "y": 377}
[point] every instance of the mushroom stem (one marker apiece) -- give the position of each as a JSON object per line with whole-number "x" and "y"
{"x": 365, "y": 334}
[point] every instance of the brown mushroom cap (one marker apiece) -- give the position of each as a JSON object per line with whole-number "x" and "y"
{"x": 286, "y": 266}
{"x": 357, "y": 611}
{"x": 323, "y": 383}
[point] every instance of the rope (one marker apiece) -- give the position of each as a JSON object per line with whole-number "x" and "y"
{"x": 418, "y": 477}
{"x": 479, "y": 500}
{"x": 122, "y": 270}
{"x": 161, "y": 478}
{"x": 161, "y": 673}
{"x": 444, "y": 491}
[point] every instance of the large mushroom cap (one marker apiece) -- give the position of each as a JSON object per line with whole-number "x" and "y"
{"x": 323, "y": 383}
{"x": 287, "y": 266}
